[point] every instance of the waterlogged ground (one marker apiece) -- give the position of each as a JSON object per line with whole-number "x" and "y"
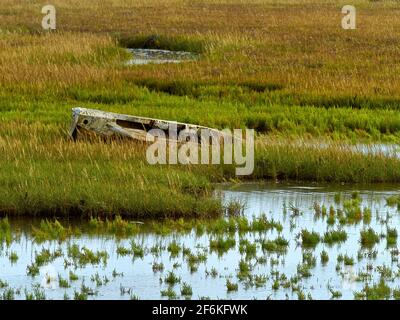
{"x": 146, "y": 56}
{"x": 291, "y": 242}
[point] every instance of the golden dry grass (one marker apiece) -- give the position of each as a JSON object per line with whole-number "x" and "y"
{"x": 299, "y": 45}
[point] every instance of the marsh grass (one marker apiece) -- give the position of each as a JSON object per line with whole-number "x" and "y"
{"x": 186, "y": 290}
{"x": 5, "y": 231}
{"x": 279, "y": 245}
{"x": 82, "y": 256}
{"x": 247, "y": 248}
{"x": 169, "y": 292}
{"x": 280, "y": 90}
{"x": 231, "y": 286}
{"x": 174, "y": 248}
{"x": 391, "y": 237}
{"x": 51, "y": 230}
{"x": 335, "y": 236}
{"x": 172, "y": 279}
{"x": 309, "y": 239}
{"x": 378, "y": 291}
{"x": 324, "y": 257}
{"x": 13, "y": 257}
{"x": 63, "y": 283}
{"x": 368, "y": 238}
{"x": 72, "y": 276}
{"x": 222, "y": 245}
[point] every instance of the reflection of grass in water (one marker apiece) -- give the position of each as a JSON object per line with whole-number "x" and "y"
{"x": 5, "y": 231}
{"x": 251, "y": 241}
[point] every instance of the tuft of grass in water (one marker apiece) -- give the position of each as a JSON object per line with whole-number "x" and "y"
{"x": 348, "y": 261}
{"x": 73, "y": 276}
{"x": 134, "y": 297}
{"x": 46, "y": 256}
{"x": 137, "y": 250}
{"x": 63, "y": 283}
{"x": 157, "y": 267}
{"x": 116, "y": 274}
{"x": 368, "y": 238}
{"x": 222, "y": 245}
{"x": 213, "y": 272}
{"x": 99, "y": 281}
{"x": 393, "y": 201}
{"x": 396, "y": 294}
{"x": 324, "y": 257}
{"x": 309, "y": 239}
{"x": 80, "y": 295}
{"x": 279, "y": 245}
{"x": 231, "y": 286}
{"x": 248, "y": 248}
{"x": 51, "y": 230}
{"x": 391, "y": 237}
{"x": 3, "y": 284}
{"x": 174, "y": 248}
{"x": 378, "y": 291}
{"x": 32, "y": 270}
{"x": 334, "y": 236}
{"x": 309, "y": 259}
{"x": 234, "y": 209}
{"x": 8, "y": 294}
{"x": 172, "y": 278}
{"x": 117, "y": 226}
{"x": 244, "y": 269}
{"x": 308, "y": 263}
{"x": 353, "y": 211}
{"x": 13, "y": 257}
{"x": 335, "y": 294}
{"x": 304, "y": 270}
{"x": 260, "y": 281}
{"x": 262, "y": 224}
{"x": 186, "y": 290}
{"x": 87, "y": 290}
{"x": 83, "y": 256}
{"x": 169, "y": 292}
{"x": 122, "y": 251}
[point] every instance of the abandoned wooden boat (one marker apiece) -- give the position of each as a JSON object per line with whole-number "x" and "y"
{"x": 108, "y": 124}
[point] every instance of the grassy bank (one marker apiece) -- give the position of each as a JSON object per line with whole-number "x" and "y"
{"x": 287, "y": 70}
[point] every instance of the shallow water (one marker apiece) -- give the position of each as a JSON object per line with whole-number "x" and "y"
{"x": 146, "y": 56}
{"x": 274, "y": 200}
